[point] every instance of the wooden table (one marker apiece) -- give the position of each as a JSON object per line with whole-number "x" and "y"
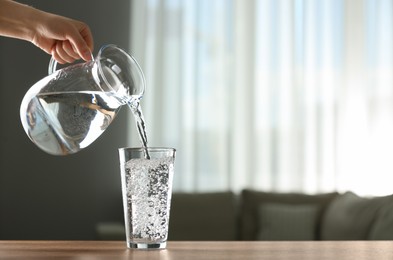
{"x": 318, "y": 250}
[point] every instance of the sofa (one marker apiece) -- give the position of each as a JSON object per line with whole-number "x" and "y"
{"x": 257, "y": 215}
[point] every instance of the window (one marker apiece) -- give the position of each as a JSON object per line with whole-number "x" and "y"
{"x": 270, "y": 94}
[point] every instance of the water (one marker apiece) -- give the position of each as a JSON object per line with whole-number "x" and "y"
{"x": 63, "y": 123}
{"x": 148, "y": 189}
{"x": 140, "y": 124}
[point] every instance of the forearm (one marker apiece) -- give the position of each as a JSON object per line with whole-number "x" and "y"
{"x": 18, "y": 20}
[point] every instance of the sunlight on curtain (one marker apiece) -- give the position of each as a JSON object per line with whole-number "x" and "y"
{"x": 282, "y": 95}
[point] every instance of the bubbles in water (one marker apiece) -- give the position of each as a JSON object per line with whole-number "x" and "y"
{"x": 148, "y": 196}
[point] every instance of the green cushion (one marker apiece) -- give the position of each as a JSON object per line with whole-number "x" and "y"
{"x": 350, "y": 217}
{"x": 382, "y": 228}
{"x": 252, "y": 200}
{"x": 287, "y": 222}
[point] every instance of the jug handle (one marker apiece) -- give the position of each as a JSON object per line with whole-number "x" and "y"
{"x": 53, "y": 64}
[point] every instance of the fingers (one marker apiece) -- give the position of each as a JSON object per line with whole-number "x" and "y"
{"x": 76, "y": 42}
{"x": 69, "y": 50}
{"x": 88, "y": 38}
{"x": 82, "y": 42}
{"x": 63, "y": 52}
{"x": 56, "y": 56}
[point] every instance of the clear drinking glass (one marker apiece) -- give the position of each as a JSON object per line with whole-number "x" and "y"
{"x": 147, "y": 192}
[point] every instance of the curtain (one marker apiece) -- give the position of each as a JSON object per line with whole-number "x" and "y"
{"x": 274, "y": 95}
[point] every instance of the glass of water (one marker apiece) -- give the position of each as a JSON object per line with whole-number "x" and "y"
{"x": 147, "y": 192}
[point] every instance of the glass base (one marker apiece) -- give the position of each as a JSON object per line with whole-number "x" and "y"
{"x": 161, "y": 245}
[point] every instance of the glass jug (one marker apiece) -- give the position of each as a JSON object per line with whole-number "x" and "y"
{"x": 71, "y": 107}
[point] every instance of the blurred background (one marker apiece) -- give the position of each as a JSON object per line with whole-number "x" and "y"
{"x": 288, "y": 95}
{"x": 285, "y": 96}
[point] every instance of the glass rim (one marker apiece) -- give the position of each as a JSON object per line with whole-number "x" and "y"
{"x": 149, "y": 149}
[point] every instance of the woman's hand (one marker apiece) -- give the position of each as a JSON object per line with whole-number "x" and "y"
{"x": 65, "y": 39}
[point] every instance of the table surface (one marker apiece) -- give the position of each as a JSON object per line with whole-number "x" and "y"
{"x": 320, "y": 250}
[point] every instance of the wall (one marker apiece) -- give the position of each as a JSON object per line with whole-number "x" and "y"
{"x": 44, "y": 196}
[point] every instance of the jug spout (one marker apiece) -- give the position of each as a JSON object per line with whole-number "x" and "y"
{"x": 118, "y": 72}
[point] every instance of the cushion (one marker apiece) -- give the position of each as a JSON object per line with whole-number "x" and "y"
{"x": 382, "y": 228}
{"x": 287, "y": 222}
{"x": 350, "y": 217}
{"x": 203, "y": 216}
{"x": 252, "y": 200}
